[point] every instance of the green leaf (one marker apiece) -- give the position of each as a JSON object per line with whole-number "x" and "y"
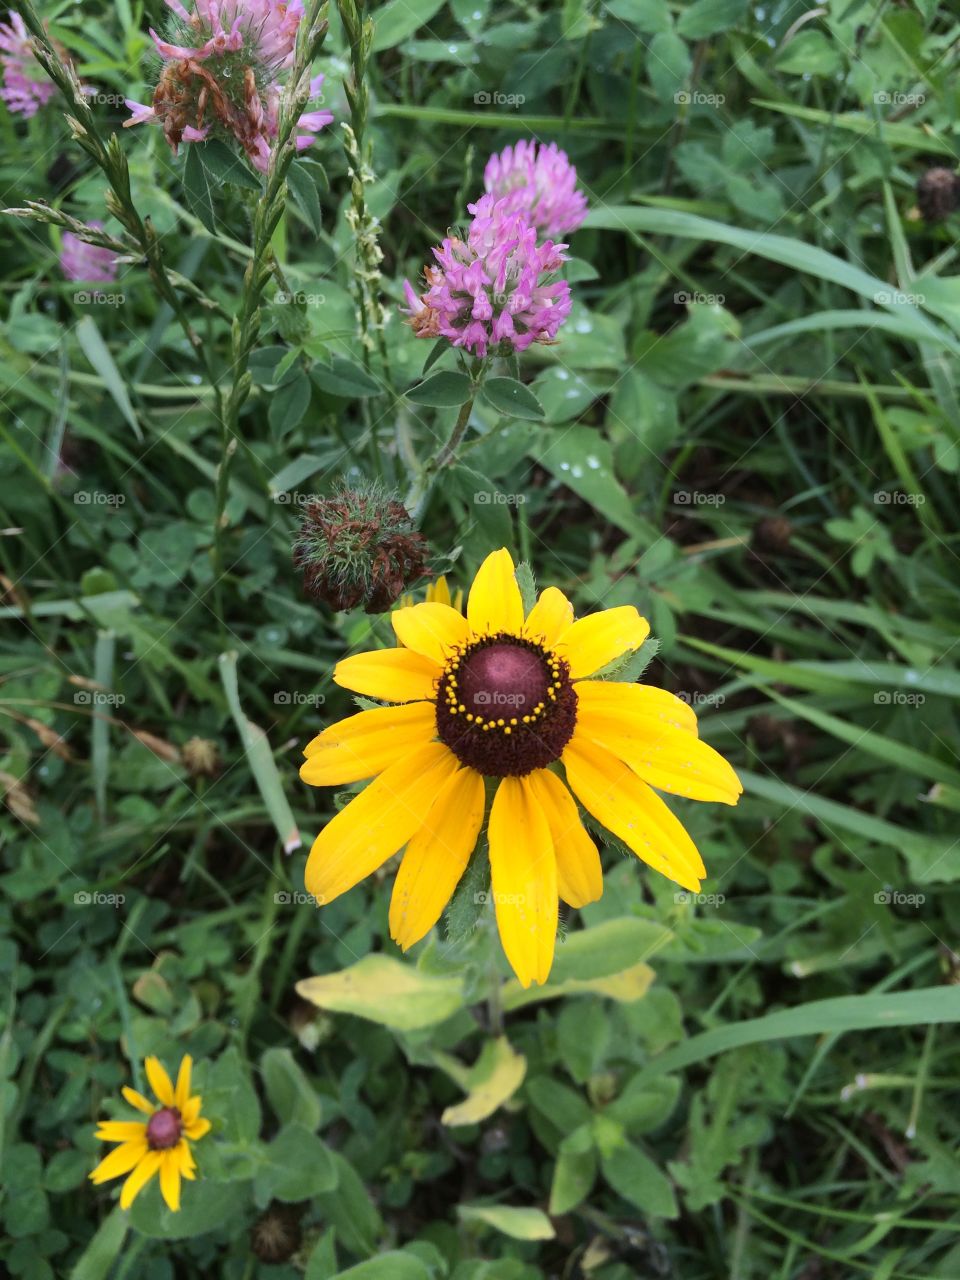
{"x": 230, "y": 1100}
{"x": 398, "y": 19}
{"x": 204, "y": 1204}
{"x": 296, "y": 1166}
{"x": 444, "y": 390}
{"x": 97, "y": 352}
{"x": 305, "y": 196}
{"x": 292, "y": 1097}
{"x": 562, "y": 1106}
{"x": 97, "y": 1260}
{"x": 387, "y": 991}
{"x": 668, "y": 64}
{"x": 794, "y": 254}
{"x": 573, "y": 1177}
{"x": 510, "y": 1220}
{"x": 289, "y": 403}
{"x": 512, "y": 398}
{"x": 709, "y": 17}
{"x": 608, "y": 948}
{"x": 344, "y": 378}
{"x": 350, "y": 1211}
{"x": 256, "y": 747}
{"x": 225, "y": 165}
{"x": 634, "y": 1176}
{"x": 389, "y": 1266}
{"x": 581, "y": 458}
{"x": 868, "y": 1012}
{"x": 810, "y": 53}
{"x": 199, "y": 187}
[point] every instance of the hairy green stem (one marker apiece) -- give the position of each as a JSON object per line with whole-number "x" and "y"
{"x": 268, "y": 211}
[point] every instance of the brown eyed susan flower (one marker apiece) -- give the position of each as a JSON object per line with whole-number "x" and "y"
{"x": 496, "y": 697}
{"x": 161, "y": 1144}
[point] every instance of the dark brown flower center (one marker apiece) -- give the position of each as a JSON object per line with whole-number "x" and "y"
{"x": 505, "y": 706}
{"x": 164, "y": 1128}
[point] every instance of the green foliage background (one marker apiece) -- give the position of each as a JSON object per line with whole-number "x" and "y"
{"x": 750, "y": 431}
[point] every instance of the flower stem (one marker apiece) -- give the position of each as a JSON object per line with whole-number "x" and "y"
{"x": 424, "y": 479}
{"x": 268, "y": 211}
{"x": 423, "y": 483}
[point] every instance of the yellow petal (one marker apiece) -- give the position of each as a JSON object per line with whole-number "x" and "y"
{"x": 523, "y": 874}
{"x": 182, "y": 1092}
{"x": 617, "y": 798}
{"x": 549, "y": 617}
{"x": 666, "y": 758}
{"x": 141, "y": 1175}
{"x": 121, "y": 1131}
{"x": 159, "y": 1081}
{"x": 436, "y": 858}
{"x": 170, "y": 1179}
{"x": 367, "y": 743}
{"x": 191, "y": 1109}
{"x": 579, "y": 873}
{"x": 138, "y": 1100}
{"x": 633, "y": 702}
{"x": 379, "y": 821}
{"x": 120, "y": 1161}
{"x": 439, "y": 592}
{"x": 594, "y": 641}
{"x": 196, "y": 1129}
{"x": 433, "y": 630}
{"x": 494, "y": 603}
{"x": 393, "y": 675}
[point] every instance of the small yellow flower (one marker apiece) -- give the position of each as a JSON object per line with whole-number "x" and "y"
{"x": 159, "y": 1145}
{"x": 512, "y": 699}
{"x": 437, "y": 593}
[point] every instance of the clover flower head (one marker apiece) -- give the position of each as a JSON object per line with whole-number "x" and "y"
{"x": 26, "y": 86}
{"x": 263, "y": 31}
{"x": 359, "y": 547}
{"x": 540, "y": 183}
{"x": 88, "y": 262}
{"x": 494, "y": 291}
{"x": 221, "y": 76}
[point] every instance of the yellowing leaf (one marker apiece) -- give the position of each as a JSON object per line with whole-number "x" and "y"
{"x": 387, "y": 991}
{"x": 512, "y": 1220}
{"x": 625, "y": 987}
{"x": 495, "y": 1076}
